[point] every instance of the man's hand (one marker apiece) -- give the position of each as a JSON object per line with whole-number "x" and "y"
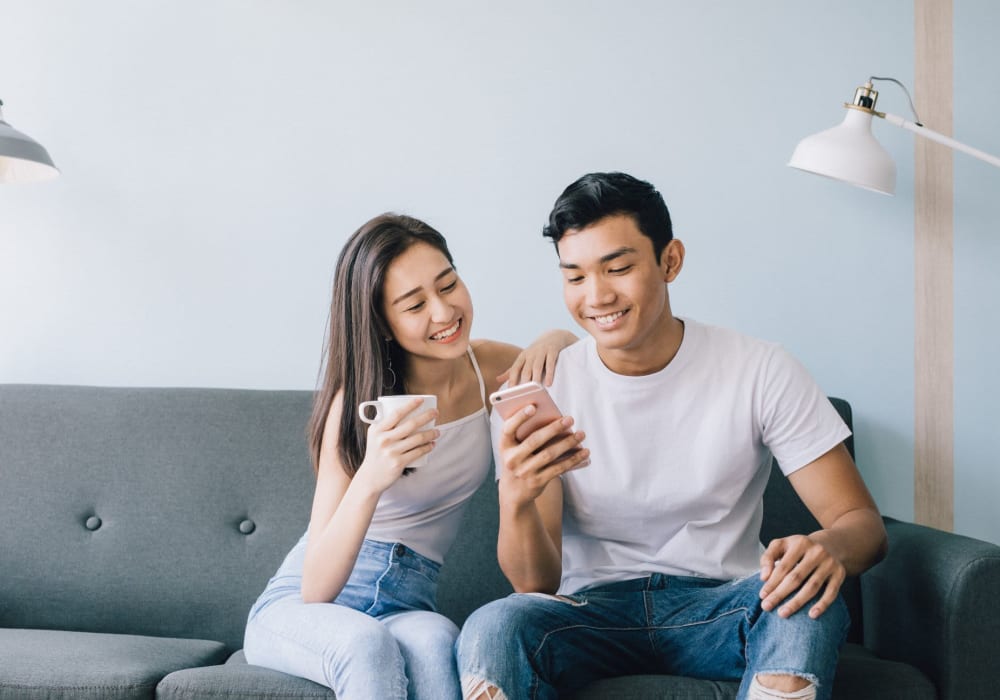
{"x": 528, "y": 466}
{"x": 795, "y": 570}
{"x": 799, "y": 568}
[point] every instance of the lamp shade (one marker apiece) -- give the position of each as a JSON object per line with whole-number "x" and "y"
{"x": 848, "y": 152}
{"x": 22, "y": 159}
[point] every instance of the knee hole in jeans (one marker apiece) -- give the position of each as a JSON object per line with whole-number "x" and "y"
{"x": 479, "y": 689}
{"x": 757, "y": 691}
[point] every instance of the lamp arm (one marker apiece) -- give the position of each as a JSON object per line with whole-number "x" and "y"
{"x": 940, "y": 138}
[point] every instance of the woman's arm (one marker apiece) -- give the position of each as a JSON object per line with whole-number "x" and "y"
{"x": 343, "y": 506}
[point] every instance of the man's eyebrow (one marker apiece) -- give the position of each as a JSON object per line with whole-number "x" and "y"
{"x": 624, "y": 250}
{"x": 416, "y": 290}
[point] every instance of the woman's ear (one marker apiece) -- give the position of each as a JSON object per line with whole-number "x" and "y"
{"x": 672, "y": 260}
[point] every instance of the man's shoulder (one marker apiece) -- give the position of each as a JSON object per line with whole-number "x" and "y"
{"x": 574, "y": 358}
{"x": 729, "y": 340}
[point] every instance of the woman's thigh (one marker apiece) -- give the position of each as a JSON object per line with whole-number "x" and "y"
{"x": 327, "y": 643}
{"x": 427, "y": 642}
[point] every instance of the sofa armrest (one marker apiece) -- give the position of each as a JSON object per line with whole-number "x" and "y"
{"x": 934, "y": 602}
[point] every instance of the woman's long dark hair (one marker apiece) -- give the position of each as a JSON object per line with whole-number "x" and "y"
{"x": 359, "y": 349}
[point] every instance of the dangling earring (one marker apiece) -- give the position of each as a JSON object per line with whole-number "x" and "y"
{"x": 388, "y": 357}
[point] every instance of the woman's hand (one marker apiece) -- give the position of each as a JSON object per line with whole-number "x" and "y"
{"x": 395, "y": 442}
{"x": 537, "y": 362}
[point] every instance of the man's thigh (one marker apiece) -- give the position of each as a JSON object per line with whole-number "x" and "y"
{"x": 568, "y": 641}
{"x": 712, "y": 630}
{"x": 699, "y": 628}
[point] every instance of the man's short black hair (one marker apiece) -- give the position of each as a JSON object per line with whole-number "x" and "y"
{"x": 598, "y": 195}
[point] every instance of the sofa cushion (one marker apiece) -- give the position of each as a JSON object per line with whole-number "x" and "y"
{"x": 860, "y": 676}
{"x": 239, "y": 681}
{"x": 82, "y": 665}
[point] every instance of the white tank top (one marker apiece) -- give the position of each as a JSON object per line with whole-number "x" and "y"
{"x": 423, "y": 509}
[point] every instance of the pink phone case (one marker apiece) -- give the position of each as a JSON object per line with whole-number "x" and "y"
{"x": 509, "y": 401}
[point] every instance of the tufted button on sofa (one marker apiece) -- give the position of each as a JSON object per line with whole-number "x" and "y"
{"x": 139, "y": 525}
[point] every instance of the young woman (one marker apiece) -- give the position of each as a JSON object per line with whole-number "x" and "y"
{"x": 352, "y": 606}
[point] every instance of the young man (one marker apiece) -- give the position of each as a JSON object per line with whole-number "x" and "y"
{"x": 653, "y": 547}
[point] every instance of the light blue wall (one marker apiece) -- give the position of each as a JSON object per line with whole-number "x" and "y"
{"x": 215, "y": 155}
{"x": 977, "y": 262}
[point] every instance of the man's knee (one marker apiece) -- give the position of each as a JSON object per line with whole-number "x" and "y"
{"x": 781, "y": 687}
{"x": 488, "y": 626}
{"x": 832, "y": 625}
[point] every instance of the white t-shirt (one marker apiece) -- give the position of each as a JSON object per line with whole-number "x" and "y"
{"x": 680, "y": 458}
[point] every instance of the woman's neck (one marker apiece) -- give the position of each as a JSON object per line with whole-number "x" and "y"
{"x": 453, "y": 382}
{"x": 440, "y": 377}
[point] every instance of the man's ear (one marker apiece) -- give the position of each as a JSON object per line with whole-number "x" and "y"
{"x": 672, "y": 260}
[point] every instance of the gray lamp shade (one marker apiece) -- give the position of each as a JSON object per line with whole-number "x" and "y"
{"x": 22, "y": 159}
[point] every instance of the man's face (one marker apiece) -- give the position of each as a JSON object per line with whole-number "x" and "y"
{"x": 615, "y": 287}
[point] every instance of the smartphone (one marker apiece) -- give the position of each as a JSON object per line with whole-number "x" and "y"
{"x": 509, "y": 401}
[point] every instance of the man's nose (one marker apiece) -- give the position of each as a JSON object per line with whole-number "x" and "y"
{"x": 599, "y": 292}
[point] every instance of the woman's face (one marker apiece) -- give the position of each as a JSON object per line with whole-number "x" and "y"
{"x": 427, "y": 306}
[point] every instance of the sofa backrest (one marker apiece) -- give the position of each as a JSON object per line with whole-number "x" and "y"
{"x": 164, "y": 511}
{"x": 147, "y": 511}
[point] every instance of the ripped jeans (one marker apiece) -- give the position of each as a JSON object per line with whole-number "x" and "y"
{"x": 536, "y": 646}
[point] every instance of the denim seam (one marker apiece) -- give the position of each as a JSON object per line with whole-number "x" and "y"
{"x": 538, "y": 649}
{"x": 646, "y": 603}
{"x": 378, "y": 587}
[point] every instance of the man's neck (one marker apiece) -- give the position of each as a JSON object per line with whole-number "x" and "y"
{"x": 653, "y": 353}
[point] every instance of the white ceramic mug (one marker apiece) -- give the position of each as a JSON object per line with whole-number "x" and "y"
{"x": 385, "y": 405}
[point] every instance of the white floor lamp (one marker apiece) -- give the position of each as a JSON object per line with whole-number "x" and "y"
{"x": 849, "y": 152}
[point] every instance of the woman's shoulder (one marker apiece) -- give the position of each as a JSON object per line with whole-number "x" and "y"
{"x": 494, "y": 358}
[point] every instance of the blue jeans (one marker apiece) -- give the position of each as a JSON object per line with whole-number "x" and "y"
{"x": 535, "y": 645}
{"x": 380, "y": 638}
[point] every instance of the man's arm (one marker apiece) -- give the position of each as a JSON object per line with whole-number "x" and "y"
{"x": 797, "y": 568}
{"x": 529, "y": 545}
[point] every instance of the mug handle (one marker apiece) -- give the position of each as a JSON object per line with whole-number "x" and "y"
{"x": 362, "y": 411}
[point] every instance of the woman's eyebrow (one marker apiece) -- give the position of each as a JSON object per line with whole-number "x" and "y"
{"x": 415, "y": 290}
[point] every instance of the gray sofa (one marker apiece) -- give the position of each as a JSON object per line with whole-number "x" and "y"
{"x": 140, "y": 524}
